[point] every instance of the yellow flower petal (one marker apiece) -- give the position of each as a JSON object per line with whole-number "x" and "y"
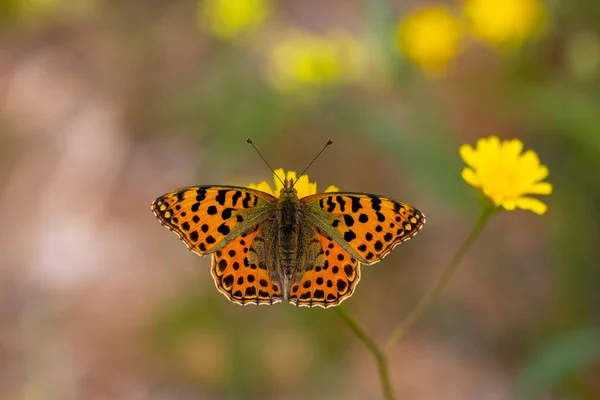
{"x": 509, "y": 205}
{"x": 470, "y": 177}
{"x": 541, "y": 188}
{"x": 291, "y": 176}
{"x": 489, "y": 145}
{"x": 302, "y": 186}
{"x": 469, "y": 155}
{"x": 262, "y": 186}
{"x": 535, "y": 205}
{"x": 332, "y": 188}
{"x": 279, "y": 172}
{"x": 512, "y": 149}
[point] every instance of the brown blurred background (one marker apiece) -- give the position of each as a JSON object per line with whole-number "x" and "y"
{"x": 106, "y": 105}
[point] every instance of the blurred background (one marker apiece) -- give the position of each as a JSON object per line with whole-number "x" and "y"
{"x": 105, "y": 105}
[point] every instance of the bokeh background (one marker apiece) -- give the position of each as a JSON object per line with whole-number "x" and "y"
{"x": 105, "y": 105}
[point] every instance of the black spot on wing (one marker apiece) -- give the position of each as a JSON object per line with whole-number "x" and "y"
{"x": 221, "y": 196}
{"x": 330, "y": 205}
{"x": 228, "y": 281}
{"x": 375, "y": 203}
{"x": 355, "y": 203}
{"x": 348, "y": 220}
{"x": 212, "y": 210}
{"x": 221, "y": 266}
{"x": 340, "y": 200}
{"x": 349, "y": 236}
{"x": 246, "y": 201}
{"x": 200, "y": 195}
{"x": 223, "y": 229}
{"x": 226, "y": 213}
{"x": 348, "y": 270}
{"x": 235, "y": 197}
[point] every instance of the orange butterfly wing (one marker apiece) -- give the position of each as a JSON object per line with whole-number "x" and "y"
{"x": 206, "y": 218}
{"x": 330, "y": 280}
{"x": 240, "y": 275}
{"x": 366, "y": 226}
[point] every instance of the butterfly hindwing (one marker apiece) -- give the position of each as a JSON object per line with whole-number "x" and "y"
{"x": 328, "y": 279}
{"x": 206, "y": 218}
{"x": 241, "y": 275}
{"x": 367, "y": 226}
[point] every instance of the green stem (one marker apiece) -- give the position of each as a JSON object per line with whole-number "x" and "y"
{"x": 382, "y": 366}
{"x": 437, "y": 288}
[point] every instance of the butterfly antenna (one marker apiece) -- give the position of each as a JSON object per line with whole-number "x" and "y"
{"x": 249, "y": 141}
{"x": 329, "y": 143}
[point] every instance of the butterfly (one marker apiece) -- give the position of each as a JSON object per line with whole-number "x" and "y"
{"x": 267, "y": 249}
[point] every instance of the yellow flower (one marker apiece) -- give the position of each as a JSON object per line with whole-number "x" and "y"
{"x": 228, "y": 19}
{"x": 505, "y": 22}
{"x": 505, "y": 175}
{"x": 303, "y": 186}
{"x": 430, "y": 37}
{"x": 301, "y": 59}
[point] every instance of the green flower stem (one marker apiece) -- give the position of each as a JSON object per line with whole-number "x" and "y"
{"x": 437, "y": 288}
{"x": 382, "y": 365}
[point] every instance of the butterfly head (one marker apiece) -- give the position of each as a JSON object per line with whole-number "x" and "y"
{"x": 288, "y": 189}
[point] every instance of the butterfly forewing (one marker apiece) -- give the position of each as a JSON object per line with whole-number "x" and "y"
{"x": 367, "y": 226}
{"x": 206, "y": 218}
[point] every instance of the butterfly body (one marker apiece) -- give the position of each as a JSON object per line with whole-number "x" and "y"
{"x": 266, "y": 249}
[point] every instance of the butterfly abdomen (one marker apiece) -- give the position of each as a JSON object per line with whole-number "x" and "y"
{"x": 288, "y": 233}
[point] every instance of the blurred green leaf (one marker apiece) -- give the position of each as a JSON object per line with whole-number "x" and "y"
{"x": 556, "y": 361}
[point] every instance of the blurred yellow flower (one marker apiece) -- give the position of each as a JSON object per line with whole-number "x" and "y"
{"x": 430, "y": 37}
{"x": 505, "y": 22}
{"x": 301, "y": 59}
{"x": 505, "y": 175}
{"x": 303, "y": 186}
{"x": 228, "y": 19}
